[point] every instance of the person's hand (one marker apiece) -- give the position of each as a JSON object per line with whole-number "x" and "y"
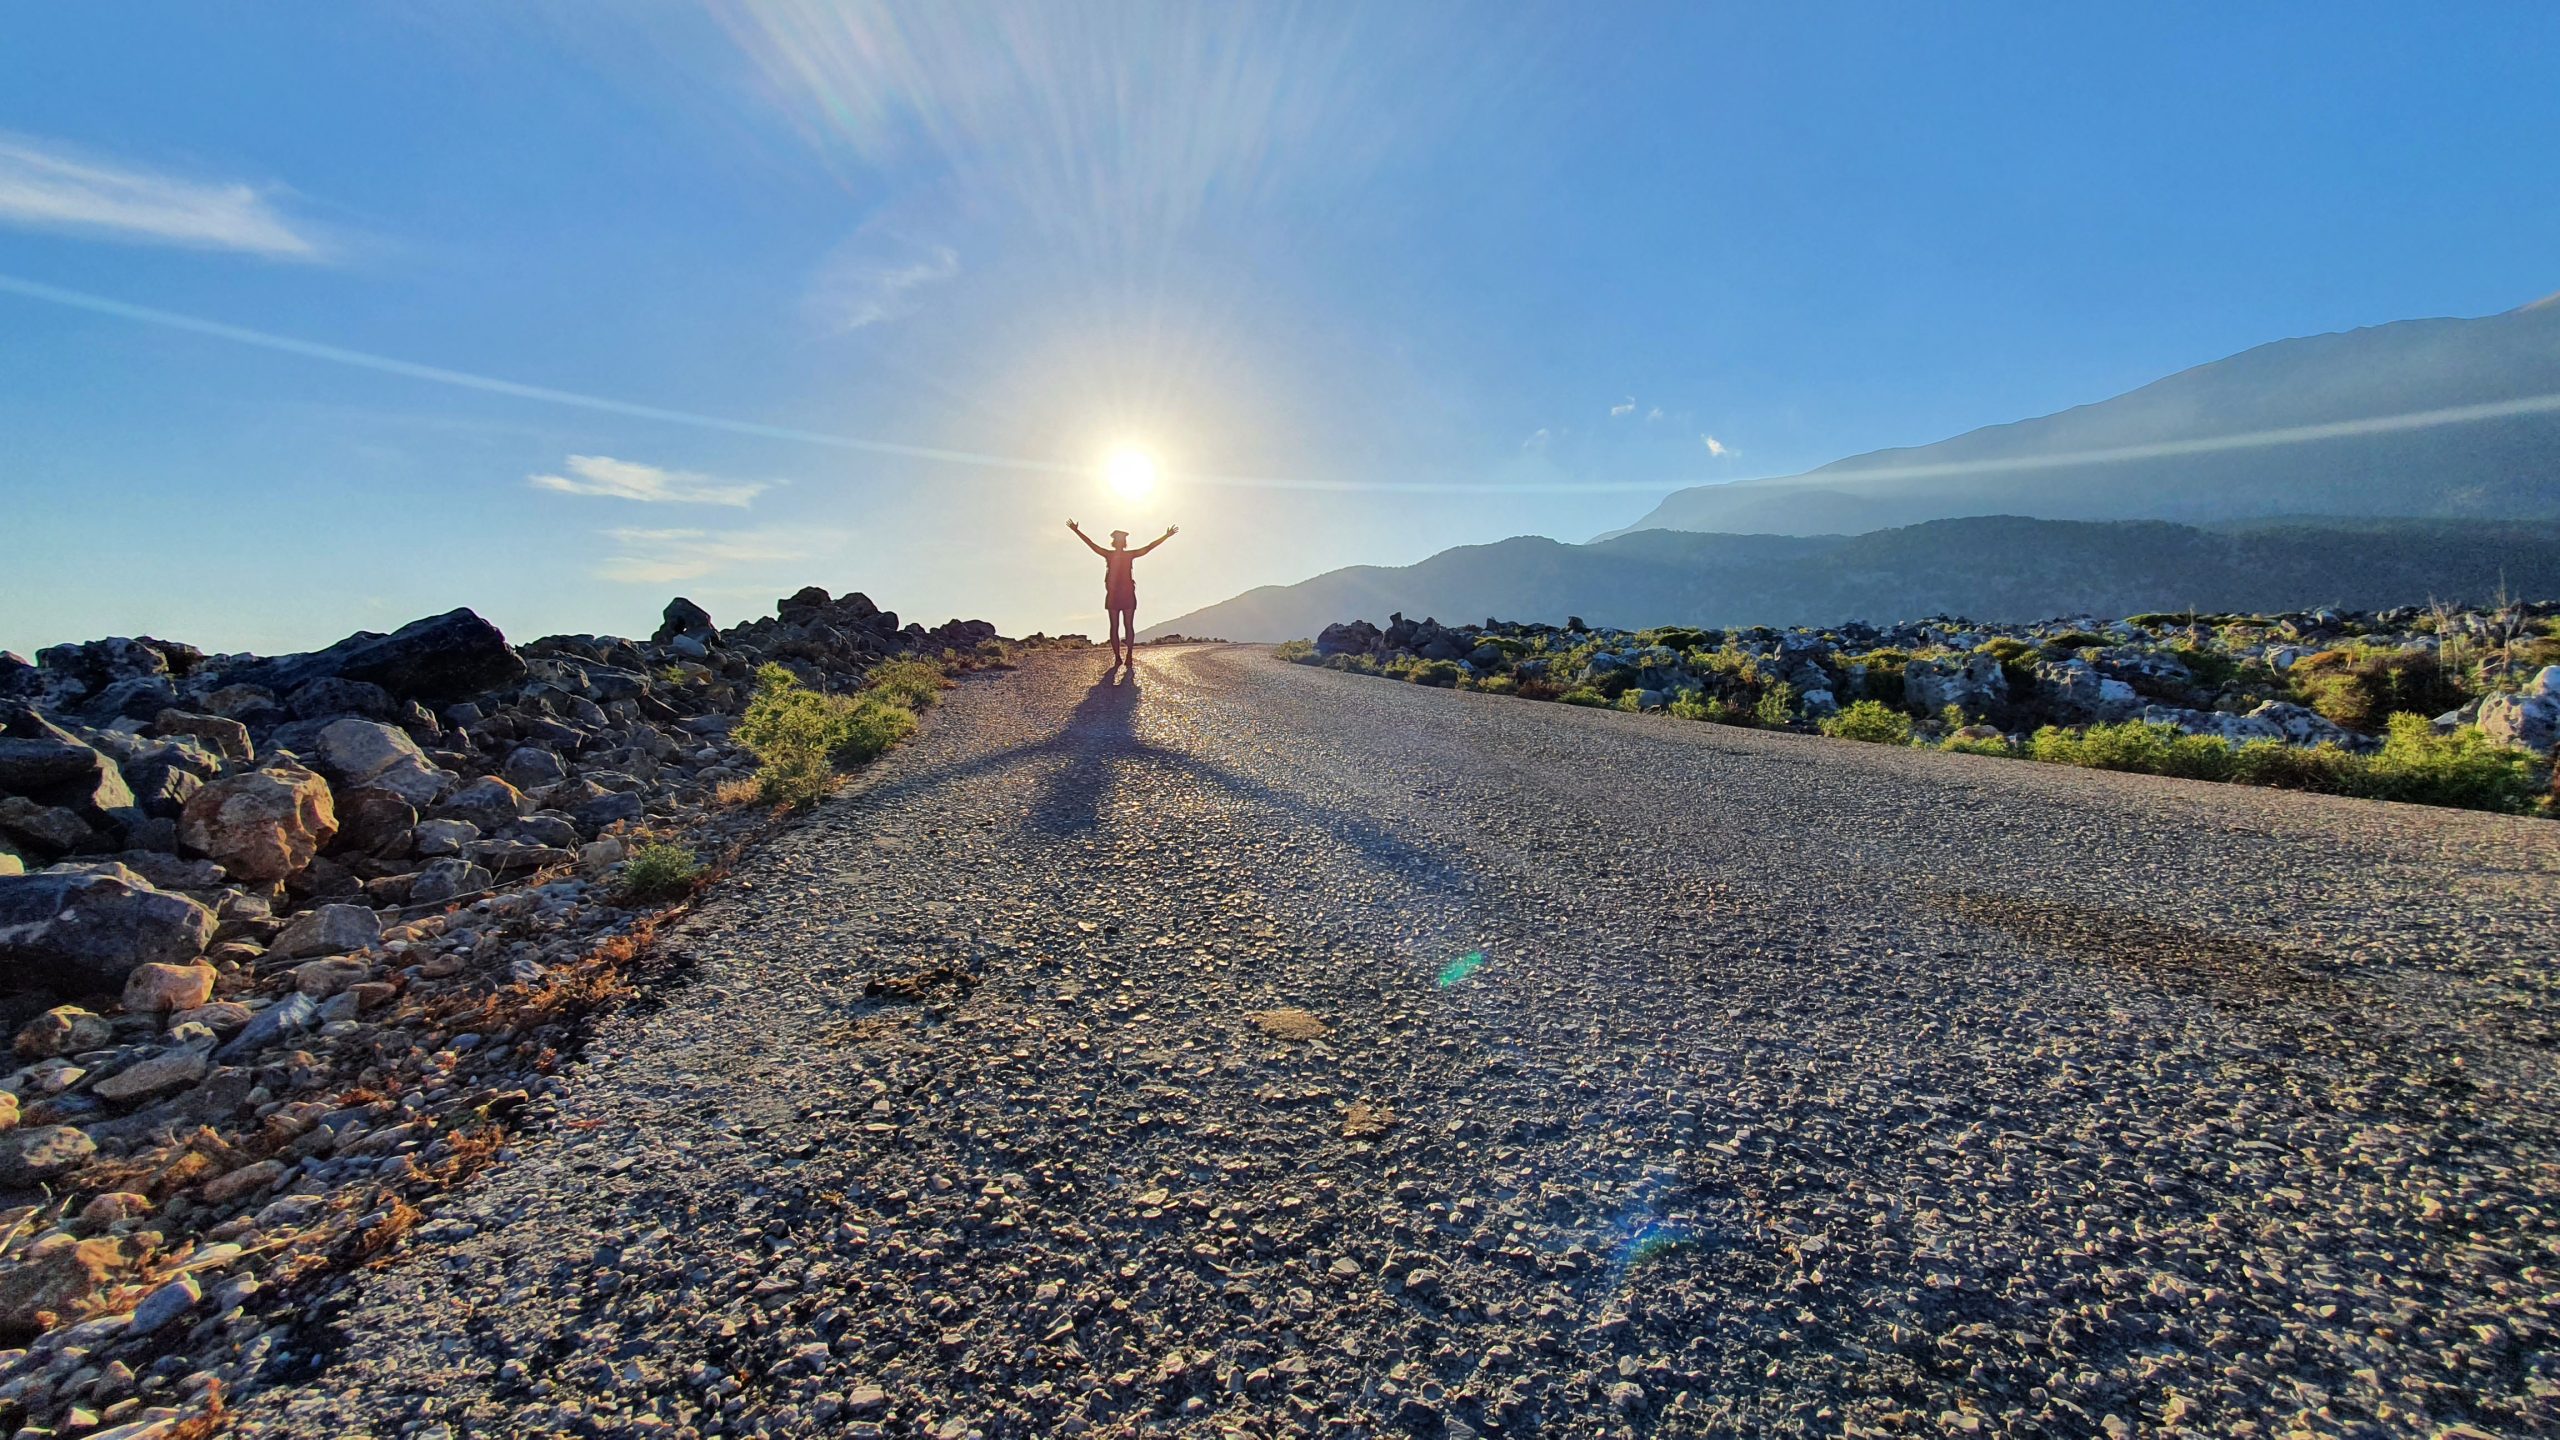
{"x": 1173, "y": 529}
{"x": 1072, "y": 526}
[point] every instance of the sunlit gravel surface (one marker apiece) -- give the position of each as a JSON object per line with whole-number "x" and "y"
{"x": 1795, "y": 1087}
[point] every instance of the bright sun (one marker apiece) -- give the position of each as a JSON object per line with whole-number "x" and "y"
{"x": 1130, "y": 472}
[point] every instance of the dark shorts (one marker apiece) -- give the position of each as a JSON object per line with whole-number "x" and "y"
{"x": 1120, "y": 599}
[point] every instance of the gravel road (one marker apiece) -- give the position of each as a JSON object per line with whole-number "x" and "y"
{"x": 1249, "y": 1049}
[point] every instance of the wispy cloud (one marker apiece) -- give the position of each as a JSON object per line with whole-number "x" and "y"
{"x": 631, "y": 480}
{"x": 1624, "y": 409}
{"x": 1716, "y": 447}
{"x": 1537, "y": 440}
{"x": 879, "y": 275}
{"x": 1654, "y": 414}
{"x": 47, "y": 187}
{"x": 656, "y": 556}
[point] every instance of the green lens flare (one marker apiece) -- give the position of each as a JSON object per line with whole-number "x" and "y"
{"x": 1460, "y": 968}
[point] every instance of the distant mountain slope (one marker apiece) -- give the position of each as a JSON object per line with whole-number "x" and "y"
{"x": 2355, "y": 391}
{"x": 1989, "y": 568}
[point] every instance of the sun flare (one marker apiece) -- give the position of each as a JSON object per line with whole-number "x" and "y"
{"x": 1131, "y": 473}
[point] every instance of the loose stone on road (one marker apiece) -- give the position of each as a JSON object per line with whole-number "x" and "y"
{"x": 1240, "y": 1048}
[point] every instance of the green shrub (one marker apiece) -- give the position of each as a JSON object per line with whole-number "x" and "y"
{"x": 2072, "y": 640}
{"x": 2465, "y": 768}
{"x": 2134, "y": 745}
{"x": 801, "y": 737}
{"x": 1296, "y": 652}
{"x": 1883, "y": 678}
{"x": 660, "y": 872}
{"x": 2280, "y": 766}
{"x": 1585, "y": 695}
{"x": 1350, "y": 664}
{"x": 1978, "y": 745}
{"x": 2361, "y": 689}
{"x": 1689, "y": 705}
{"x": 912, "y": 683}
{"x": 1872, "y": 721}
{"x": 1776, "y": 705}
{"x": 1498, "y": 684}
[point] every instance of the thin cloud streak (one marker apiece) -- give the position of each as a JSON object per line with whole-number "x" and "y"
{"x": 78, "y": 300}
{"x": 649, "y": 484}
{"x": 655, "y": 557}
{"x": 45, "y": 188}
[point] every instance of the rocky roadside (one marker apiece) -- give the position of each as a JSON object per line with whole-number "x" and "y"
{"x": 2307, "y": 680}
{"x": 289, "y": 942}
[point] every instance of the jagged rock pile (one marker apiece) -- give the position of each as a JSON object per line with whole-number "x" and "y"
{"x": 262, "y": 923}
{"x": 2237, "y": 677}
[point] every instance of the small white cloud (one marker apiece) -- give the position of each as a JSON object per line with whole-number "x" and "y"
{"x": 1715, "y": 447}
{"x": 1621, "y": 411}
{"x": 657, "y": 556}
{"x": 1654, "y": 414}
{"x": 45, "y": 187}
{"x": 877, "y": 276}
{"x": 631, "y": 480}
{"x": 1538, "y": 440}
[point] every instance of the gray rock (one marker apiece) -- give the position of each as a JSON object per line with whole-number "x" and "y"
{"x": 445, "y": 837}
{"x": 447, "y": 878}
{"x": 369, "y": 753}
{"x": 78, "y": 933}
{"x": 530, "y": 767}
{"x": 488, "y": 802}
{"x": 328, "y": 930}
{"x": 47, "y": 1152}
{"x": 2529, "y": 721}
{"x": 163, "y": 1305}
{"x": 287, "y": 1017}
{"x": 1972, "y": 683}
{"x": 155, "y": 1075}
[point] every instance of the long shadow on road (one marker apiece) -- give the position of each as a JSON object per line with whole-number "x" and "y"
{"x": 1099, "y": 751}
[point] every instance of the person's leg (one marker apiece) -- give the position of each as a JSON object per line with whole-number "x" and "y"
{"x": 1119, "y": 627}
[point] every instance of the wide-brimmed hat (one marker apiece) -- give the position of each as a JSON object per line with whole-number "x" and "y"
{"x": 1119, "y": 534}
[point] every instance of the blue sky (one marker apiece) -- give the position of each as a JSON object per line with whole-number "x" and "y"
{"x": 1424, "y": 274}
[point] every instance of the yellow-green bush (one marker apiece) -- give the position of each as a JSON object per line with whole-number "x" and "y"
{"x": 660, "y": 872}
{"x": 912, "y": 683}
{"x": 801, "y": 738}
{"x": 1872, "y": 721}
{"x": 1296, "y": 652}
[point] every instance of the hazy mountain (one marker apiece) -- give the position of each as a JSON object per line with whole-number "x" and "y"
{"x": 2328, "y": 425}
{"x": 1989, "y": 568}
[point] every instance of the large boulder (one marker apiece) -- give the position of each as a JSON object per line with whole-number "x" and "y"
{"x": 1357, "y": 637}
{"x": 262, "y": 824}
{"x": 488, "y": 802}
{"x": 2300, "y": 725}
{"x": 81, "y": 931}
{"x": 2529, "y": 721}
{"x": 683, "y": 618}
{"x": 356, "y": 752}
{"x": 1971, "y": 683}
{"x": 2076, "y": 691}
{"x": 224, "y": 737}
{"x": 328, "y": 930}
{"x": 62, "y": 773}
{"x": 443, "y": 657}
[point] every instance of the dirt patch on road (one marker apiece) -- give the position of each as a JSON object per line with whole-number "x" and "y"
{"x": 2230, "y": 968}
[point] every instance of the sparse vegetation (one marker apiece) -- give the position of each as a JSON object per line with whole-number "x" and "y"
{"x": 913, "y": 683}
{"x": 801, "y": 737}
{"x": 1296, "y": 652}
{"x": 660, "y": 872}
{"x": 1871, "y": 721}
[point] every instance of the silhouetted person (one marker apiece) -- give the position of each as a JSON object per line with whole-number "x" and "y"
{"x": 1120, "y": 586}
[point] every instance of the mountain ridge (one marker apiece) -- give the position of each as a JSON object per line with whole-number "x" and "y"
{"x": 2000, "y": 567}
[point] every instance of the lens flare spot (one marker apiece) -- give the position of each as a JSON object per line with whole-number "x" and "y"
{"x": 1459, "y": 969}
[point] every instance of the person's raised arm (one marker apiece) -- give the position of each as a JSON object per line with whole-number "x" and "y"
{"x": 1087, "y": 539}
{"x": 1169, "y": 532}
